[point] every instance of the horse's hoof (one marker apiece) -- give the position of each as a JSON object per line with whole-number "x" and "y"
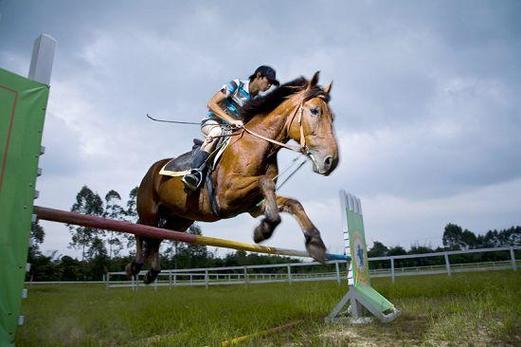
{"x": 151, "y": 276}
{"x": 132, "y": 269}
{"x": 316, "y": 248}
{"x": 262, "y": 232}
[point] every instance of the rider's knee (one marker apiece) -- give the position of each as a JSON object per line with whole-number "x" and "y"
{"x": 208, "y": 144}
{"x": 215, "y": 132}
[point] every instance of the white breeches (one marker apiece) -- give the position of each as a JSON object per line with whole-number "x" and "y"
{"x": 211, "y": 130}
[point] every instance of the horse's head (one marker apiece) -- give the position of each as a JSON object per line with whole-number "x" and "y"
{"x": 312, "y": 126}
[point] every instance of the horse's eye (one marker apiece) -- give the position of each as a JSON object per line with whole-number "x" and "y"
{"x": 315, "y": 111}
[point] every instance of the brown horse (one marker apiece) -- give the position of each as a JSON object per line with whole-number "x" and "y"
{"x": 245, "y": 176}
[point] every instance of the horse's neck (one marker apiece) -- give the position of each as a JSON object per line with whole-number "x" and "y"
{"x": 259, "y": 151}
{"x": 273, "y": 125}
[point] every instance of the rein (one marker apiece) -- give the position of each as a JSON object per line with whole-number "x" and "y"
{"x": 299, "y": 149}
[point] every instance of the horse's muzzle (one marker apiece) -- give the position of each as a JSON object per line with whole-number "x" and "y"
{"x": 323, "y": 164}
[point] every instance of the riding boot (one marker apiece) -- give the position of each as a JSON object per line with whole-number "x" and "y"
{"x": 192, "y": 180}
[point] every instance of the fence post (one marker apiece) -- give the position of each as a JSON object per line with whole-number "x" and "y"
{"x": 337, "y": 267}
{"x": 513, "y": 256}
{"x": 175, "y": 279}
{"x": 206, "y": 278}
{"x": 289, "y": 273}
{"x": 447, "y": 263}
{"x": 170, "y": 279}
{"x": 392, "y": 269}
{"x": 190, "y": 280}
{"x": 108, "y": 280}
{"x": 246, "y": 275}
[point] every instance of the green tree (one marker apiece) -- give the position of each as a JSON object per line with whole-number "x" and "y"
{"x": 397, "y": 250}
{"x": 378, "y": 250}
{"x": 131, "y": 211}
{"x": 468, "y": 239}
{"x": 189, "y": 255}
{"x": 417, "y": 249}
{"x": 113, "y": 210}
{"x": 37, "y": 237}
{"x": 98, "y": 259}
{"x": 131, "y": 216}
{"x": 452, "y": 236}
{"x": 87, "y": 202}
{"x": 43, "y": 268}
{"x": 70, "y": 268}
{"x": 510, "y": 236}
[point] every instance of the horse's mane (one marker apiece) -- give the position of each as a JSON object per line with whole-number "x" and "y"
{"x": 267, "y": 103}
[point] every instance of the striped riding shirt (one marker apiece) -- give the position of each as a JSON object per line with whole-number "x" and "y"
{"x": 237, "y": 94}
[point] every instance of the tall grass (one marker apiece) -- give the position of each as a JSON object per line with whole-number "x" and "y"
{"x": 475, "y": 308}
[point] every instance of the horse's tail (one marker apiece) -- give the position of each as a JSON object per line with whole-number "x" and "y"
{"x": 147, "y": 203}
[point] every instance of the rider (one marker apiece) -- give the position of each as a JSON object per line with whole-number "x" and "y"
{"x": 224, "y": 108}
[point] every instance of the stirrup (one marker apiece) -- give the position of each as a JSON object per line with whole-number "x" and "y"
{"x": 193, "y": 179}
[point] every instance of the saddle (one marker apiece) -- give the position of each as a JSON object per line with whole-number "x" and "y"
{"x": 181, "y": 165}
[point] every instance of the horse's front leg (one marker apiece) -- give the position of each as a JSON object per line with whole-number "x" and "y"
{"x": 270, "y": 210}
{"x": 314, "y": 244}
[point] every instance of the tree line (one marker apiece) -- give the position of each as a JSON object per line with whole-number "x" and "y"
{"x": 105, "y": 251}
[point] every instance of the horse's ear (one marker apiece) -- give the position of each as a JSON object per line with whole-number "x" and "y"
{"x": 327, "y": 88}
{"x": 314, "y": 80}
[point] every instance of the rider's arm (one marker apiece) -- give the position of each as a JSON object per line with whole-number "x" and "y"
{"x": 213, "y": 105}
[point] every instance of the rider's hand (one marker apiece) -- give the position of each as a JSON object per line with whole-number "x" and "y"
{"x": 236, "y": 123}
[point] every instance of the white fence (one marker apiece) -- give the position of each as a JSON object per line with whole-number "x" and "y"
{"x": 296, "y": 272}
{"x": 249, "y": 274}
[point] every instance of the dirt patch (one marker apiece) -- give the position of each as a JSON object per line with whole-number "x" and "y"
{"x": 405, "y": 330}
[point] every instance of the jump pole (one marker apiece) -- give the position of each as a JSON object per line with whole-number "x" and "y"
{"x": 61, "y": 216}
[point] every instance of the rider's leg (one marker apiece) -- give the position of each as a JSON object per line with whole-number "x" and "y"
{"x": 211, "y": 131}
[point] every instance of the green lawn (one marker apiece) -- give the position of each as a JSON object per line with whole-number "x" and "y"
{"x": 469, "y": 309}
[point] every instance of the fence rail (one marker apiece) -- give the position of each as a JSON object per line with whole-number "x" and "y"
{"x": 294, "y": 272}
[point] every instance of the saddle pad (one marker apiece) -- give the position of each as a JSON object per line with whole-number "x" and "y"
{"x": 177, "y": 167}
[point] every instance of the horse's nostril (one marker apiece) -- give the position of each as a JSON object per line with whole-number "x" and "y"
{"x": 328, "y": 161}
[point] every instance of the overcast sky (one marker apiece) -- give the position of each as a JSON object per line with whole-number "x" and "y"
{"x": 427, "y": 98}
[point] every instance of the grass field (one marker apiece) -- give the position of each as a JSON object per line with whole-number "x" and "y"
{"x": 465, "y": 309}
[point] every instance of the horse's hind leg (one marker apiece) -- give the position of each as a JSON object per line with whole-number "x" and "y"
{"x": 151, "y": 253}
{"x": 134, "y": 267}
{"x": 148, "y": 210}
{"x": 314, "y": 244}
{"x": 152, "y": 250}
